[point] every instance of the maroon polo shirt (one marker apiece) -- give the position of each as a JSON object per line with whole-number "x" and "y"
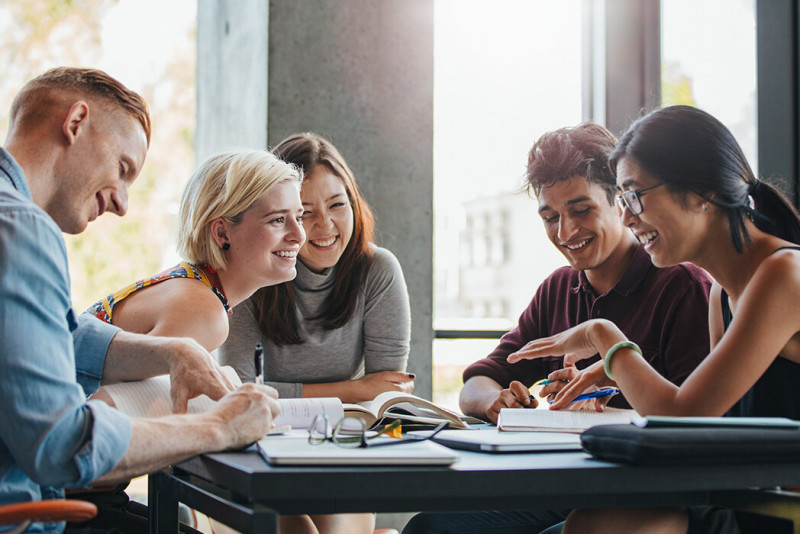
{"x": 664, "y": 311}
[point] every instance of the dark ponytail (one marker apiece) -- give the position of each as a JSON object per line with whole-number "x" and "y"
{"x": 773, "y": 213}
{"x": 689, "y": 150}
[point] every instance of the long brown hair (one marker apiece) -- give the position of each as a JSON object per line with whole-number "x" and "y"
{"x": 277, "y": 314}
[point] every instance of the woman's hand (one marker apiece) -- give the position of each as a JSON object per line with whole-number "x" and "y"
{"x": 577, "y": 343}
{"x": 362, "y": 389}
{"x": 583, "y": 380}
{"x": 570, "y": 382}
{"x": 373, "y": 384}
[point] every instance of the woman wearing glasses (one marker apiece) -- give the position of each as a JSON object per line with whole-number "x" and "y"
{"x": 689, "y": 194}
{"x": 342, "y": 327}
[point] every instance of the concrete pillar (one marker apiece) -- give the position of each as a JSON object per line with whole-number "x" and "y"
{"x": 359, "y": 72}
{"x": 231, "y": 76}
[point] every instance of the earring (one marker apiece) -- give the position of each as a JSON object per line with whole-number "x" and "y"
{"x": 705, "y": 208}
{"x": 226, "y": 246}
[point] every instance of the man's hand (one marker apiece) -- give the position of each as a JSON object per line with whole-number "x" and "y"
{"x": 240, "y": 418}
{"x": 515, "y": 396}
{"x": 193, "y": 371}
{"x": 248, "y": 413}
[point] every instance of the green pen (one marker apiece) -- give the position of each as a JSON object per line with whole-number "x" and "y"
{"x": 545, "y": 381}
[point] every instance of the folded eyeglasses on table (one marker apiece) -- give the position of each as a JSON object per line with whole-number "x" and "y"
{"x": 351, "y": 432}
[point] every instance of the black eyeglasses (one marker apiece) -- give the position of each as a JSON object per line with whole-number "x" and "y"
{"x": 351, "y": 432}
{"x": 632, "y": 199}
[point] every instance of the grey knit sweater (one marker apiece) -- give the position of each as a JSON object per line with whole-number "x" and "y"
{"x": 375, "y": 339}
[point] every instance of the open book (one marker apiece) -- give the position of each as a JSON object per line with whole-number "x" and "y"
{"x": 151, "y": 398}
{"x": 409, "y": 408}
{"x": 527, "y": 419}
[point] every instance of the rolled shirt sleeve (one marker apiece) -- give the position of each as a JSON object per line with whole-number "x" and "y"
{"x": 91, "y": 338}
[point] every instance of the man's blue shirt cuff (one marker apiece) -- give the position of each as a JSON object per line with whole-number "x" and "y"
{"x": 91, "y": 339}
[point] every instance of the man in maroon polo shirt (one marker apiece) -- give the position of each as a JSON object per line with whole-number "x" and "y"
{"x": 665, "y": 311}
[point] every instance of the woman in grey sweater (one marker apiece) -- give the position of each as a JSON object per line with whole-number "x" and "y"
{"x": 341, "y": 328}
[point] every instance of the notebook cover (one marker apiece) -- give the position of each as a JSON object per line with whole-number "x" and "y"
{"x": 297, "y": 451}
{"x": 492, "y": 440}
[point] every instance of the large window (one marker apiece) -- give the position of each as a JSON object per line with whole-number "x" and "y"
{"x": 505, "y": 72}
{"x": 712, "y": 65}
{"x": 107, "y": 34}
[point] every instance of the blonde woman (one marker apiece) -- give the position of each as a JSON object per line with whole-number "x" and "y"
{"x": 240, "y": 230}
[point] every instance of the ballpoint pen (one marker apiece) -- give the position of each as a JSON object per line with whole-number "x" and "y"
{"x": 258, "y": 361}
{"x": 604, "y": 392}
{"x": 546, "y": 381}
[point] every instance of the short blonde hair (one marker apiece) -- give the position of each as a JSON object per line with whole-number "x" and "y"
{"x": 225, "y": 185}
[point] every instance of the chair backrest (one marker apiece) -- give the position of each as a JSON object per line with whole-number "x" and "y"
{"x": 46, "y": 511}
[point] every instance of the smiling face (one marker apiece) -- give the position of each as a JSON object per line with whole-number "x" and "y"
{"x": 668, "y": 228}
{"x": 95, "y": 172}
{"x": 327, "y": 219}
{"x": 265, "y": 242}
{"x": 582, "y": 224}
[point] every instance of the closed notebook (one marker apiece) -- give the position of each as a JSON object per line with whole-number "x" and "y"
{"x": 492, "y": 440}
{"x": 298, "y": 451}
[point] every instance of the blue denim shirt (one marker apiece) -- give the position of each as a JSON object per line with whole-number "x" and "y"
{"x": 50, "y": 437}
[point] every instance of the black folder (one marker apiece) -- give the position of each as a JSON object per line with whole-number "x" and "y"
{"x": 691, "y": 445}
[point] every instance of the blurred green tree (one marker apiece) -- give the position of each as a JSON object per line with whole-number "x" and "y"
{"x": 676, "y": 88}
{"x": 38, "y": 35}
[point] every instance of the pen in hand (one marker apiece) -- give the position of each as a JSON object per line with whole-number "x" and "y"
{"x": 546, "y": 381}
{"x": 258, "y": 361}
{"x": 603, "y": 392}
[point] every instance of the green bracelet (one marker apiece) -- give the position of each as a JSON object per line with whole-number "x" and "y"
{"x": 621, "y": 345}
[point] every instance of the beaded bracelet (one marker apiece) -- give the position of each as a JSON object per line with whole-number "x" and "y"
{"x": 621, "y": 345}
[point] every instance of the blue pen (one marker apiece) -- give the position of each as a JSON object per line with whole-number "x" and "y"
{"x": 605, "y": 392}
